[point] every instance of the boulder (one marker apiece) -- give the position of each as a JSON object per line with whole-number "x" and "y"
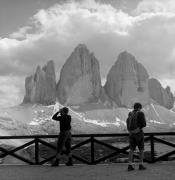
{"x": 41, "y": 87}
{"x": 162, "y": 96}
{"x": 80, "y": 80}
{"x": 127, "y": 81}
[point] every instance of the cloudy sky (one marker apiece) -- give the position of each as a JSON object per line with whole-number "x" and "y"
{"x": 33, "y": 32}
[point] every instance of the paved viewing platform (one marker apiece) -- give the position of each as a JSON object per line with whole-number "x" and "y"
{"x": 157, "y": 171}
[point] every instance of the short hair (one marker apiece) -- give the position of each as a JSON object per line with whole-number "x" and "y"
{"x": 65, "y": 110}
{"x": 137, "y": 106}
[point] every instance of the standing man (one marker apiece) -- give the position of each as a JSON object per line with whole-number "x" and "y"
{"x": 65, "y": 136}
{"x": 135, "y": 124}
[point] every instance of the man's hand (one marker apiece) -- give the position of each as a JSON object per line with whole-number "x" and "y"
{"x": 135, "y": 131}
{"x": 59, "y": 111}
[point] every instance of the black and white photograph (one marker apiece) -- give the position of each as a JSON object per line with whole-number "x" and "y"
{"x": 87, "y": 89}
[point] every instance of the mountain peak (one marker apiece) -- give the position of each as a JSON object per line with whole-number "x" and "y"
{"x": 80, "y": 80}
{"x": 50, "y": 62}
{"x": 125, "y": 53}
{"x": 127, "y": 81}
{"x": 80, "y": 47}
{"x": 126, "y": 57}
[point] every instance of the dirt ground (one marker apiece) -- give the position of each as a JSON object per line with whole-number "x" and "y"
{"x": 158, "y": 171}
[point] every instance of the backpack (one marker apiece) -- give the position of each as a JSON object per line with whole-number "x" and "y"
{"x": 132, "y": 123}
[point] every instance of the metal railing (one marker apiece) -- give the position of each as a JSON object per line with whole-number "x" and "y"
{"x": 91, "y": 141}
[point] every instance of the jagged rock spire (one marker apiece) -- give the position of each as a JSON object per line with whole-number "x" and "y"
{"x": 127, "y": 81}
{"x": 80, "y": 80}
{"x": 41, "y": 87}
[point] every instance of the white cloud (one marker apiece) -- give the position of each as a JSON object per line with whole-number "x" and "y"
{"x": 63, "y": 25}
{"x": 156, "y": 7}
{"x": 21, "y": 33}
{"x": 10, "y": 93}
{"x": 148, "y": 32}
{"x": 6, "y": 43}
{"x": 170, "y": 83}
{"x": 63, "y": 19}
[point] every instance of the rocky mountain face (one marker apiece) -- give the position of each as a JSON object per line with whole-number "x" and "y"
{"x": 41, "y": 87}
{"x": 80, "y": 83}
{"x": 127, "y": 81}
{"x": 80, "y": 80}
{"x": 162, "y": 96}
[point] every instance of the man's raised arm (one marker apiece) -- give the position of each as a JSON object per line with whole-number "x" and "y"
{"x": 55, "y": 116}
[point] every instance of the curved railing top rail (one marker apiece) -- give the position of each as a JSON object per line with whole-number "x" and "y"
{"x": 87, "y": 135}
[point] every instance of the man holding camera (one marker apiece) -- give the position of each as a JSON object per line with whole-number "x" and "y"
{"x": 65, "y": 136}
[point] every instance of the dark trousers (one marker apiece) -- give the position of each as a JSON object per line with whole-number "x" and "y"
{"x": 64, "y": 141}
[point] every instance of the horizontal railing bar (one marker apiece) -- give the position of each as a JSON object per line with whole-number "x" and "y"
{"x": 87, "y": 135}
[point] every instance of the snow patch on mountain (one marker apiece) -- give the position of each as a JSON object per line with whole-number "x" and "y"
{"x": 156, "y": 122}
{"x": 37, "y": 119}
{"x": 152, "y": 105}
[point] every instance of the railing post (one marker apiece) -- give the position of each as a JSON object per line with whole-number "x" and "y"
{"x": 36, "y": 151}
{"x": 152, "y": 148}
{"x": 92, "y": 151}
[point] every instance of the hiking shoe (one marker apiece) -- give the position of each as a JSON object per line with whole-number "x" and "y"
{"x": 130, "y": 168}
{"x": 55, "y": 164}
{"x": 141, "y": 167}
{"x": 69, "y": 163}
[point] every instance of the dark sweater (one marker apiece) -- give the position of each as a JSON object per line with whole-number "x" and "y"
{"x": 65, "y": 121}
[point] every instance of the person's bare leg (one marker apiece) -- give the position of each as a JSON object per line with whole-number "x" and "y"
{"x": 131, "y": 152}
{"x": 130, "y": 166}
{"x": 141, "y": 157}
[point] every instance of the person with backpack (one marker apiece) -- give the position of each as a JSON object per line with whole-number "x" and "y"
{"x": 65, "y": 137}
{"x": 135, "y": 124}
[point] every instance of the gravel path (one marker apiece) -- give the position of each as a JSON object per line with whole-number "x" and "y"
{"x": 159, "y": 171}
